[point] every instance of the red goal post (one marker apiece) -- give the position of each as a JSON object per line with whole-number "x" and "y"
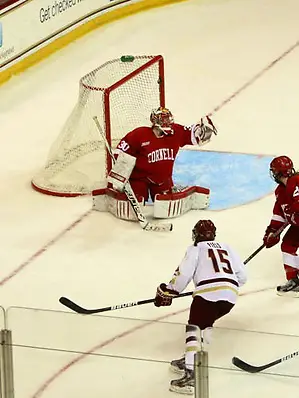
{"x": 121, "y": 93}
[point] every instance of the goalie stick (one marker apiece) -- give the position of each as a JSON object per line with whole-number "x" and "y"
{"x": 80, "y": 310}
{"x": 256, "y": 369}
{"x": 144, "y": 223}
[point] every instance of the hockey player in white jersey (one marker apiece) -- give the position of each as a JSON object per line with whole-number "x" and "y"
{"x": 217, "y": 272}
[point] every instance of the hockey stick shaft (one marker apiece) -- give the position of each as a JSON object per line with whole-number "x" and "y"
{"x": 256, "y": 369}
{"x": 278, "y": 232}
{"x": 144, "y": 223}
{"x": 239, "y": 362}
{"x": 80, "y": 310}
{"x": 254, "y": 253}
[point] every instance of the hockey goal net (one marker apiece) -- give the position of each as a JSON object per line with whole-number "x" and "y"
{"x": 122, "y": 94}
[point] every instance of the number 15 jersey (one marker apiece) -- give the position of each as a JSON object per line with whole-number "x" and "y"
{"x": 216, "y": 270}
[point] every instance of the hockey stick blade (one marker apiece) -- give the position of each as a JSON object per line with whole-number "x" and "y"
{"x": 73, "y": 306}
{"x": 250, "y": 368}
{"x": 255, "y": 369}
{"x": 158, "y": 227}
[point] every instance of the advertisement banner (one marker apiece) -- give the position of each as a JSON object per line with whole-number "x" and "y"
{"x": 33, "y": 23}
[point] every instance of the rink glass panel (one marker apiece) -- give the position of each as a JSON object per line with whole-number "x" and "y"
{"x": 65, "y": 354}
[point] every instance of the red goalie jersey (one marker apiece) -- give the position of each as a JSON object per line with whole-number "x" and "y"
{"x": 155, "y": 156}
{"x": 155, "y": 149}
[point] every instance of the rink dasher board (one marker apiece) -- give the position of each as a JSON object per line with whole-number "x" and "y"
{"x": 52, "y": 24}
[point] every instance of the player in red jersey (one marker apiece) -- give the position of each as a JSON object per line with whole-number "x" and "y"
{"x": 145, "y": 158}
{"x": 286, "y": 211}
{"x": 155, "y": 149}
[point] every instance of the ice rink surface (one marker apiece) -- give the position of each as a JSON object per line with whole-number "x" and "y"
{"x": 238, "y": 59}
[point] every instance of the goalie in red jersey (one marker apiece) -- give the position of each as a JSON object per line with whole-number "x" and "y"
{"x": 145, "y": 158}
{"x": 286, "y": 211}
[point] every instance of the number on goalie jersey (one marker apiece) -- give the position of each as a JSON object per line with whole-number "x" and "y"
{"x": 155, "y": 149}
{"x": 217, "y": 272}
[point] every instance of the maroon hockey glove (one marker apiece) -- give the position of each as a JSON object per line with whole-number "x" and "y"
{"x": 269, "y": 238}
{"x": 164, "y": 296}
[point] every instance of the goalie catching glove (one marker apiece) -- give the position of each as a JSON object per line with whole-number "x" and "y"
{"x": 203, "y": 130}
{"x": 164, "y": 296}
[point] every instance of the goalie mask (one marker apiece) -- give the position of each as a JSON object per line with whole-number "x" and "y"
{"x": 203, "y": 230}
{"x": 162, "y": 119}
{"x": 282, "y": 166}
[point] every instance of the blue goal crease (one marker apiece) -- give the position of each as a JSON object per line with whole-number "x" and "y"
{"x": 233, "y": 178}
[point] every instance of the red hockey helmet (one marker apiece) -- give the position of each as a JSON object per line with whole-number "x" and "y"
{"x": 162, "y": 119}
{"x": 203, "y": 230}
{"x": 281, "y": 166}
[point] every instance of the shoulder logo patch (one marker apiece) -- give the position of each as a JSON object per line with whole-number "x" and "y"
{"x": 296, "y": 192}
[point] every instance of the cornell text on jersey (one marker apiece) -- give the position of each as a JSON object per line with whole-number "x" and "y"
{"x": 160, "y": 154}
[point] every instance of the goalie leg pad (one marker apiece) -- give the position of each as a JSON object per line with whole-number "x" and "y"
{"x": 179, "y": 203}
{"x": 121, "y": 170}
{"x": 99, "y": 202}
{"x": 115, "y": 203}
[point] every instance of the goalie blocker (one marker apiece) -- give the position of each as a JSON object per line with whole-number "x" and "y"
{"x": 121, "y": 170}
{"x": 165, "y": 205}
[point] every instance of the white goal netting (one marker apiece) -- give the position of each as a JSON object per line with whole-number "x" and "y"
{"x": 121, "y": 93}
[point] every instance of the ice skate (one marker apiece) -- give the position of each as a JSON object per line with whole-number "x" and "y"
{"x": 178, "y": 366}
{"x": 289, "y": 289}
{"x": 185, "y": 385}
